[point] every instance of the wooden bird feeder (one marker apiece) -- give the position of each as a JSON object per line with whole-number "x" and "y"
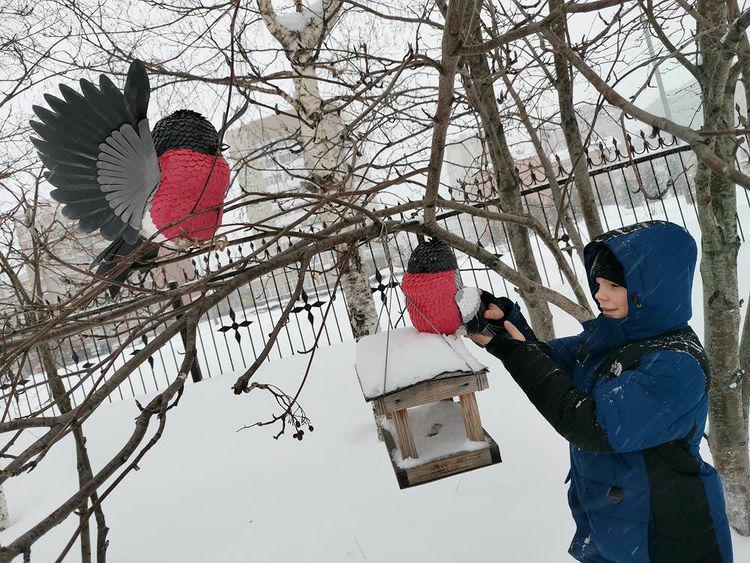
{"x": 428, "y": 435}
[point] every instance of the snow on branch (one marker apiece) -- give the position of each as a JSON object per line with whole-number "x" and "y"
{"x": 303, "y": 28}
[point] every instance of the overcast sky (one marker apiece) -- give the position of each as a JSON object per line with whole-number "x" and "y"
{"x": 391, "y": 37}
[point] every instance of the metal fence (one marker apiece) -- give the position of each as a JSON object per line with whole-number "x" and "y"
{"x": 633, "y": 181}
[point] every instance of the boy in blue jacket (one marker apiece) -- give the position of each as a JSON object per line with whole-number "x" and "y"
{"x": 630, "y": 394}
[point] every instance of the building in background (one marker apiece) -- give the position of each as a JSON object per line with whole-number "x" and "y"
{"x": 268, "y": 161}
{"x": 65, "y": 251}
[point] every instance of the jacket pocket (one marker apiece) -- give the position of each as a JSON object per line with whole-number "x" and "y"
{"x": 618, "y": 518}
{"x": 613, "y": 500}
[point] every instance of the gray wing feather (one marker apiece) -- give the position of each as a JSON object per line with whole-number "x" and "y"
{"x": 99, "y": 153}
{"x": 128, "y": 181}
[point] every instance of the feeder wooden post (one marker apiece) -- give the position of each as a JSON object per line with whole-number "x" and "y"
{"x": 472, "y": 421}
{"x": 404, "y": 434}
{"x": 379, "y": 418}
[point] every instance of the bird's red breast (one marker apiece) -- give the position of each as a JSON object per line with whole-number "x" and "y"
{"x": 184, "y": 193}
{"x": 431, "y": 301}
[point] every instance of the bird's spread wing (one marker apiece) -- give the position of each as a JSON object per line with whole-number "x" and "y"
{"x": 99, "y": 153}
{"x": 127, "y": 166}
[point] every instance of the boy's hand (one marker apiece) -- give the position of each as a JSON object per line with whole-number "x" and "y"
{"x": 495, "y": 313}
{"x": 513, "y": 331}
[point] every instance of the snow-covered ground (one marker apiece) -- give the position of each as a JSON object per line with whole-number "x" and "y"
{"x": 208, "y": 493}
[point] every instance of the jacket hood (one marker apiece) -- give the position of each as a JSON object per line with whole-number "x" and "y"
{"x": 659, "y": 260}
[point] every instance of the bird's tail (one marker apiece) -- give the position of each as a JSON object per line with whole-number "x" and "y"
{"x": 113, "y": 255}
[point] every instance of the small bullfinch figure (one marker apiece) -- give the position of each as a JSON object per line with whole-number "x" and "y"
{"x": 430, "y": 284}
{"x": 436, "y": 299}
{"x": 114, "y": 175}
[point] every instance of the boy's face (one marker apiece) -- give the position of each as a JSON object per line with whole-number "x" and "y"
{"x": 612, "y": 298}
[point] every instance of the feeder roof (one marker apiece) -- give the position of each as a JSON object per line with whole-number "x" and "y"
{"x": 412, "y": 357}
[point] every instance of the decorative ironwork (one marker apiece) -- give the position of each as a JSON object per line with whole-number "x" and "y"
{"x": 144, "y": 339}
{"x": 308, "y": 306}
{"x": 235, "y": 326}
{"x": 76, "y": 358}
{"x": 383, "y": 287}
{"x": 663, "y": 164}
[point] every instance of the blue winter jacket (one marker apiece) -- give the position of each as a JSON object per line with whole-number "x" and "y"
{"x": 639, "y": 490}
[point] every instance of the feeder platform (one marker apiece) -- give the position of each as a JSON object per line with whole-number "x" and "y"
{"x": 411, "y": 379}
{"x": 429, "y": 436}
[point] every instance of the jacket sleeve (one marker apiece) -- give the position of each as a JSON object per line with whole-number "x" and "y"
{"x": 564, "y": 351}
{"x": 639, "y": 409}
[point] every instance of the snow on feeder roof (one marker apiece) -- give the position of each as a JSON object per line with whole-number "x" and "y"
{"x": 412, "y": 357}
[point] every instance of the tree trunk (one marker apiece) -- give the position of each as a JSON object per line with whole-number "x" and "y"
{"x": 716, "y": 198}
{"x": 549, "y": 171}
{"x": 571, "y": 131}
{"x": 320, "y": 138}
{"x": 4, "y": 517}
{"x": 481, "y": 94}
{"x": 355, "y": 283}
{"x": 745, "y": 338}
{"x": 728, "y": 435}
{"x": 85, "y": 473}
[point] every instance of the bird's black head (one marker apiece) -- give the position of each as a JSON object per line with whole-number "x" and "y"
{"x": 430, "y": 257}
{"x": 185, "y": 129}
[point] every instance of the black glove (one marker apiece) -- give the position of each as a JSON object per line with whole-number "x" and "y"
{"x": 496, "y": 327}
{"x": 488, "y": 327}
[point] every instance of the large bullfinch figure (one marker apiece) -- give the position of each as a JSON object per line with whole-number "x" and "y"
{"x": 114, "y": 175}
{"x": 430, "y": 284}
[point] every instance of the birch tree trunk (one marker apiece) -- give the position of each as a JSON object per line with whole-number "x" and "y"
{"x": 481, "y": 94}
{"x": 571, "y": 131}
{"x": 320, "y": 138}
{"x": 4, "y": 516}
{"x": 716, "y": 197}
